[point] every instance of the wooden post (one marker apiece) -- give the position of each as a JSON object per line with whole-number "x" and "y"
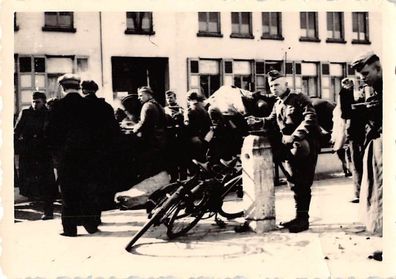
{"x": 258, "y": 183}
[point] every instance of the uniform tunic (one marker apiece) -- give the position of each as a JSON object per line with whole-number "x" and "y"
{"x": 295, "y": 116}
{"x": 152, "y": 127}
{"x": 371, "y": 191}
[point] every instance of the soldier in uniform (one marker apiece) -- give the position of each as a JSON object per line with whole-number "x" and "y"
{"x": 36, "y": 172}
{"x": 369, "y": 67}
{"x": 355, "y": 131}
{"x": 295, "y": 118}
{"x": 151, "y": 127}
{"x": 70, "y": 135}
{"x": 198, "y": 125}
{"x": 177, "y": 166}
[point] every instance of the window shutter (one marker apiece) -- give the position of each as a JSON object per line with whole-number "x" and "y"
{"x": 325, "y": 81}
{"x": 228, "y": 72}
{"x": 192, "y": 73}
{"x": 260, "y": 78}
{"x": 325, "y": 68}
{"x": 297, "y": 76}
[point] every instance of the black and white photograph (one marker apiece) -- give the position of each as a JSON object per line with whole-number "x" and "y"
{"x": 187, "y": 140}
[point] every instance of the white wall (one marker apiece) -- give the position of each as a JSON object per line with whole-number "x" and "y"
{"x": 176, "y": 38}
{"x": 31, "y": 40}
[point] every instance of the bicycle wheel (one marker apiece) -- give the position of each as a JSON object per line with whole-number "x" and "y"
{"x": 232, "y": 209}
{"x": 157, "y": 216}
{"x": 184, "y": 217}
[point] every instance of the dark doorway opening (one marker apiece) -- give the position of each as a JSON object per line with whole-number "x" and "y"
{"x": 130, "y": 73}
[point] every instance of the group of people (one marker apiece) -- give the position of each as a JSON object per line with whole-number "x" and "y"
{"x": 75, "y": 133}
{"x": 72, "y": 136}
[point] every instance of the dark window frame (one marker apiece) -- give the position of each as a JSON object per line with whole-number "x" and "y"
{"x": 307, "y": 38}
{"x": 332, "y": 29}
{"x": 139, "y": 30}
{"x": 268, "y": 36}
{"x": 366, "y": 39}
{"x": 240, "y": 35}
{"x": 207, "y": 33}
{"x": 57, "y": 27}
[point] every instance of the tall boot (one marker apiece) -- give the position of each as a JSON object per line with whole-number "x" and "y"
{"x": 301, "y": 222}
{"x": 292, "y": 221}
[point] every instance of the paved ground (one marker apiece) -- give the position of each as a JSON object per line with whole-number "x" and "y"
{"x": 336, "y": 245}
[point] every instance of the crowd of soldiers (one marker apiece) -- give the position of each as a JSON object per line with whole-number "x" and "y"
{"x": 79, "y": 136}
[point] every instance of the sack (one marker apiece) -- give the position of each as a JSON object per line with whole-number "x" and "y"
{"x": 338, "y": 135}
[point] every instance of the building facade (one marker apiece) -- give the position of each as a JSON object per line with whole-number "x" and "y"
{"x": 191, "y": 50}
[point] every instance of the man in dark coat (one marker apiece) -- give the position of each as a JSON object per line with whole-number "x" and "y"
{"x": 151, "y": 130}
{"x": 296, "y": 120}
{"x": 105, "y": 131}
{"x": 36, "y": 171}
{"x": 70, "y": 135}
{"x": 198, "y": 125}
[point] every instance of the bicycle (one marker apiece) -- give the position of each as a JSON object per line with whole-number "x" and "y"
{"x": 186, "y": 202}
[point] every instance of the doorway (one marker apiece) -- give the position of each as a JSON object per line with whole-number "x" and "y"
{"x": 130, "y": 73}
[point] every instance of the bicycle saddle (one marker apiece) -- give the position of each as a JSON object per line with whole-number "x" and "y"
{"x": 203, "y": 166}
{"x": 230, "y": 163}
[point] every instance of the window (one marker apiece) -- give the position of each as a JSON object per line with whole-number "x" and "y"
{"x": 241, "y": 25}
{"x": 204, "y": 74}
{"x": 139, "y": 23}
{"x": 272, "y": 26}
{"x": 309, "y": 26}
{"x": 58, "y": 21}
{"x": 350, "y": 70}
{"x": 335, "y": 27}
{"x": 31, "y": 77}
{"x": 81, "y": 64}
{"x": 360, "y": 32}
{"x": 242, "y": 71}
{"x": 309, "y": 72}
{"x": 41, "y": 73}
{"x": 16, "y": 26}
{"x": 209, "y": 24}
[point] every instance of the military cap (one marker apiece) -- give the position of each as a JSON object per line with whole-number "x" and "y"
{"x": 69, "y": 81}
{"x": 89, "y": 85}
{"x": 39, "y": 95}
{"x": 273, "y": 75}
{"x": 194, "y": 95}
{"x": 128, "y": 98}
{"x": 364, "y": 59}
{"x": 170, "y": 93}
{"x": 146, "y": 89}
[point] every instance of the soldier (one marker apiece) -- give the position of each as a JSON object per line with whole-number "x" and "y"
{"x": 70, "y": 135}
{"x": 175, "y": 131}
{"x": 355, "y": 131}
{"x": 369, "y": 67}
{"x": 198, "y": 125}
{"x": 151, "y": 128}
{"x": 36, "y": 171}
{"x": 295, "y": 117}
